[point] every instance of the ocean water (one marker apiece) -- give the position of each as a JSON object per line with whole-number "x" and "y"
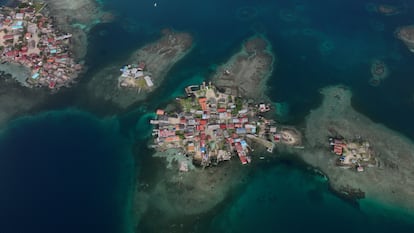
{"x": 64, "y": 171}
{"x": 84, "y": 185}
{"x": 283, "y": 198}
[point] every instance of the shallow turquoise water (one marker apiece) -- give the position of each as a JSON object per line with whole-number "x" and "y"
{"x": 84, "y": 187}
{"x": 283, "y": 198}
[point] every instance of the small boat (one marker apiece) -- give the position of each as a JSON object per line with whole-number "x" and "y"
{"x": 155, "y": 4}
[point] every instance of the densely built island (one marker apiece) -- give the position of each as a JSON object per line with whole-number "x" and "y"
{"x": 29, "y": 38}
{"x": 210, "y": 125}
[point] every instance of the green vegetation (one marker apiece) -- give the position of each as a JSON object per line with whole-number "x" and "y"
{"x": 23, "y": 5}
{"x": 239, "y": 104}
{"x": 18, "y": 46}
{"x": 141, "y": 83}
{"x": 187, "y": 104}
{"x": 38, "y": 6}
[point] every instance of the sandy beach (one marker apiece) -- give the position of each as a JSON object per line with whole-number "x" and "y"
{"x": 246, "y": 72}
{"x": 391, "y": 181}
{"x": 159, "y": 57}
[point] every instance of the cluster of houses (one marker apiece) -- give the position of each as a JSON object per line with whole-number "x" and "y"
{"x": 211, "y": 127}
{"x": 135, "y": 76}
{"x": 351, "y": 154}
{"x": 29, "y": 38}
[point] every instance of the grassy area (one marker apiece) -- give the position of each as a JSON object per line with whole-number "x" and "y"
{"x": 187, "y": 104}
{"x": 141, "y": 83}
{"x": 38, "y": 6}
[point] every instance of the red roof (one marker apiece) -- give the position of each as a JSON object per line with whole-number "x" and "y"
{"x": 8, "y": 37}
{"x": 221, "y": 110}
{"x": 203, "y": 103}
{"x": 203, "y": 122}
{"x": 10, "y": 54}
{"x": 52, "y": 84}
{"x": 160, "y": 112}
{"x": 243, "y": 159}
{"x": 141, "y": 65}
{"x": 223, "y": 126}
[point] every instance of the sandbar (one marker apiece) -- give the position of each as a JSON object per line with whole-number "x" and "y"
{"x": 390, "y": 181}
{"x": 159, "y": 57}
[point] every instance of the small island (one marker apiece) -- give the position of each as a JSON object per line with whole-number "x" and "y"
{"x": 360, "y": 157}
{"x": 246, "y": 72}
{"x": 406, "y": 34}
{"x": 211, "y": 125}
{"x": 145, "y": 70}
{"x": 388, "y": 10}
{"x": 379, "y": 72}
{"x": 29, "y": 38}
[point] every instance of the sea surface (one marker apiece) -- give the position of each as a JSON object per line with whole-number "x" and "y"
{"x": 71, "y": 166}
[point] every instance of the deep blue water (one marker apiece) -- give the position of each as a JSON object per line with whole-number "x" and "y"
{"x": 52, "y": 187}
{"x": 64, "y": 172}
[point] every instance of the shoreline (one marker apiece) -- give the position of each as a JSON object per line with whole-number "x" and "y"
{"x": 200, "y": 191}
{"x": 336, "y": 113}
{"x": 159, "y": 58}
{"x": 246, "y": 72}
{"x": 29, "y": 98}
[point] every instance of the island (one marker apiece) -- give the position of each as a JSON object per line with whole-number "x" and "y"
{"x": 212, "y": 126}
{"x": 147, "y": 67}
{"x": 388, "y": 10}
{"x": 29, "y": 38}
{"x": 247, "y": 71}
{"x": 379, "y": 72}
{"x": 406, "y": 34}
{"x": 204, "y": 154}
{"x": 78, "y": 17}
{"x": 361, "y": 158}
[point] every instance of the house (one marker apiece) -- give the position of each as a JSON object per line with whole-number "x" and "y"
{"x": 148, "y": 81}
{"x": 203, "y": 103}
{"x": 172, "y": 139}
{"x": 32, "y": 28}
{"x": 19, "y": 16}
{"x": 241, "y": 131}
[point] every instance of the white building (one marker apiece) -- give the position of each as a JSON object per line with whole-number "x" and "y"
{"x": 148, "y": 81}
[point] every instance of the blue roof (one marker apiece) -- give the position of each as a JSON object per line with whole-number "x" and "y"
{"x": 243, "y": 143}
{"x": 17, "y": 27}
{"x": 35, "y": 76}
{"x": 240, "y": 130}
